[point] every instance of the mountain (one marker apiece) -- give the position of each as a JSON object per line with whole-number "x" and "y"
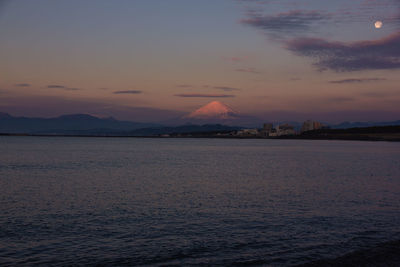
{"x": 214, "y": 116}
{"x": 216, "y": 113}
{"x": 214, "y": 110}
{"x": 4, "y": 115}
{"x": 346, "y": 125}
{"x": 66, "y": 123}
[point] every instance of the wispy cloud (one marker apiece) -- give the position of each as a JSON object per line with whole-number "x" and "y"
{"x": 204, "y": 95}
{"x": 338, "y": 56}
{"x": 248, "y": 70}
{"x": 358, "y": 80}
{"x": 184, "y": 86}
{"x": 292, "y": 22}
{"x": 127, "y": 92}
{"x": 56, "y": 86}
{"x": 342, "y": 12}
{"x": 223, "y": 88}
{"x": 23, "y": 85}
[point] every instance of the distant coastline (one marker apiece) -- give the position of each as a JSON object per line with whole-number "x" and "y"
{"x": 379, "y": 133}
{"x": 84, "y": 125}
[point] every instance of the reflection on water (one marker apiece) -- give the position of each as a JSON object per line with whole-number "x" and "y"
{"x": 194, "y": 201}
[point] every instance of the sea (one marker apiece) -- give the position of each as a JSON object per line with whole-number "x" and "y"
{"x": 190, "y": 202}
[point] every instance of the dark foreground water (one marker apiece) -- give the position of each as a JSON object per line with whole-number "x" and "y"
{"x": 68, "y": 201}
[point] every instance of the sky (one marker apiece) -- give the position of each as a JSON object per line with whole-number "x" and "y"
{"x": 153, "y": 60}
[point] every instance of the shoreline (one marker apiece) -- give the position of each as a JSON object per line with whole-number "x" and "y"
{"x": 349, "y": 137}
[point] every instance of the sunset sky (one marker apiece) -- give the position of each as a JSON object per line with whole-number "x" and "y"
{"x": 149, "y": 60}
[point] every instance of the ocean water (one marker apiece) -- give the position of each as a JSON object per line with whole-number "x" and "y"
{"x": 144, "y": 201}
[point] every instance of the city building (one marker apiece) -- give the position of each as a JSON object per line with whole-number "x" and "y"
{"x": 310, "y": 125}
{"x": 283, "y": 129}
{"x": 248, "y": 132}
{"x": 267, "y": 129}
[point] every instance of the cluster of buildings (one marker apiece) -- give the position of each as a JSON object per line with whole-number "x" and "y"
{"x": 312, "y": 125}
{"x": 269, "y": 130}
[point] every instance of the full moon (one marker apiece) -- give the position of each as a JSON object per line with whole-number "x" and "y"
{"x": 378, "y": 24}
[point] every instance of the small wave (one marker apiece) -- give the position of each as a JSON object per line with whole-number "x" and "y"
{"x": 384, "y": 254}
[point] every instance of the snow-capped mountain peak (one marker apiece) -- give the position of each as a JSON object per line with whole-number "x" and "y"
{"x": 215, "y": 110}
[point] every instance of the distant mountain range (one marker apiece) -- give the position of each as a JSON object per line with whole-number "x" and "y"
{"x": 346, "y": 125}
{"x": 83, "y": 124}
{"x": 213, "y": 117}
{"x": 65, "y": 123}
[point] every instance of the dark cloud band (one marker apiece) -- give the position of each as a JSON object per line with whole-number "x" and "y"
{"x": 204, "y": 95}
{"x": 23, "y": 85}
{"x": 226, "y": 88}
{"x": 290, "y": 22}
{"x": 127, "y": 92}
{"x": 338, "y": 56}
{"x": 56, "y": 86}
{"x": 360, "y": 80}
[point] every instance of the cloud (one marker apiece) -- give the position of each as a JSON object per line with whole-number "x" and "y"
{"x": 225, "y": 88}
{"x": 127, "y": 92}
{"x": 56, "y": 86}
{"x": 340, "y": 12}
{"x": 204, "y": 95}
{"x": 23, "y": 85}
{"x": 233, "y": 59}
{"x": 248, "y": 70}
{"x": 184, "y": 86}
{"x": 359, "y": 80}
{"x": 378, "y": 54}
{"x": 286, "y": 19}
{"x": 293, "y": 22}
